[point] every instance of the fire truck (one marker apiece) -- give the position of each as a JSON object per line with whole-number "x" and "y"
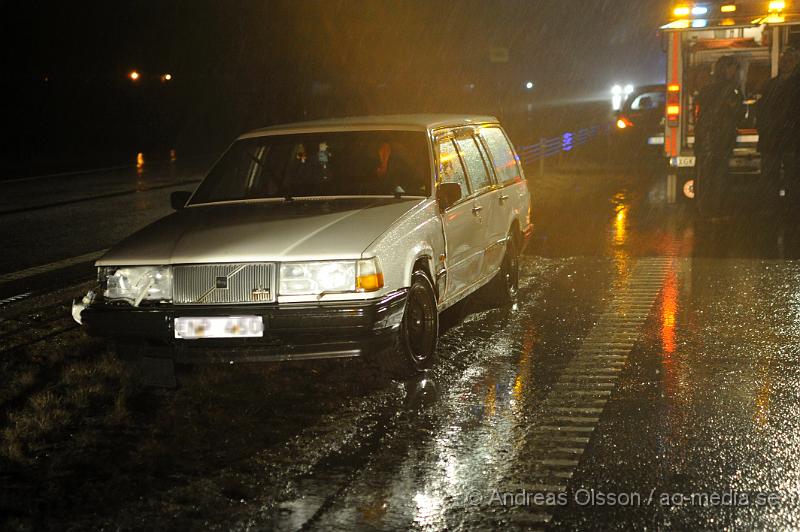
{"x": 754, "y": 32}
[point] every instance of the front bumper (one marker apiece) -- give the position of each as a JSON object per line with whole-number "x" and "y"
{"x": 291, "y": 331}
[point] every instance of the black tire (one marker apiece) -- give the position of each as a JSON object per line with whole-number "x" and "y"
{"x": 502, "y": 290}
{"x": 414, "y": 346}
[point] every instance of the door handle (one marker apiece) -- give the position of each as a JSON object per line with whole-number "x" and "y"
{"x": 503, "y": 198}
{"x": 476, "y": 210}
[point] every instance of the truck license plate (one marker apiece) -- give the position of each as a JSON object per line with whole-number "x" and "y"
{"x": 683, "y": 161}
{"x": 219, "y": 327}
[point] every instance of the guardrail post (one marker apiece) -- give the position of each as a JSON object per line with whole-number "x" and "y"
{"x": 541, "y": 156}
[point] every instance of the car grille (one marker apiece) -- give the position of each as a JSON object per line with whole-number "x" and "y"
{"x": 223, "y": 283}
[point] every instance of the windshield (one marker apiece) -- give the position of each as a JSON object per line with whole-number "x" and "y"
{"x": 349, "y": 163}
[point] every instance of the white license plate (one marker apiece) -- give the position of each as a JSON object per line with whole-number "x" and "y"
{"x": 742, "y": 163}
{"x": 219, "y": 327}
{"x": 684, "y": 161}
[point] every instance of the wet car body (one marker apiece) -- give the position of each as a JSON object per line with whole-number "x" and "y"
{"x": 639, "y": 124}
{"x": 293, "y": 235}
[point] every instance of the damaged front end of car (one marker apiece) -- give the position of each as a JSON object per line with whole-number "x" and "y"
{"x": 127, "y": 286}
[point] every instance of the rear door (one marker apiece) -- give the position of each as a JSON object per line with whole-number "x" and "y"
{"x": 485, "y": 204}
{"x": 511, "y": 200}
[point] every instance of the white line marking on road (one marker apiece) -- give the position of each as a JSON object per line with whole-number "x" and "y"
{"x": 577, "y": 400}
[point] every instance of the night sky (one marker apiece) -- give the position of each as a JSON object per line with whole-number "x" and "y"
{"x": 238, "y": 65}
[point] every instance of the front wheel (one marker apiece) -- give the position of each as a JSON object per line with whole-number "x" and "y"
{"x": 414, "y": 348}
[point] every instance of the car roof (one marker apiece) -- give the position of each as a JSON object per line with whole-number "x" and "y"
{"x": 416, "y": 122}
{"x": 659, "y": 87}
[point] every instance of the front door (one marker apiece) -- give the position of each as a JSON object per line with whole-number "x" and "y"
{"x": 461, "y": 224}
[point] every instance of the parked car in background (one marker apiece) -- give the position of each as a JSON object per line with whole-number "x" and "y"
{"x": 327, "y": 239}
{"x": 639, "y": 124}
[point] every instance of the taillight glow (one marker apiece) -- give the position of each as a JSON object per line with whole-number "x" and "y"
{"x": 673, "y": 110}
{"x": 777, "y": 5}
{"x": 624, "y": 122}
{"x": 673, "y": 87}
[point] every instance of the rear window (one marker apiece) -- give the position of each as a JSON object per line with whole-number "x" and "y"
{"x": 704, "y": 48}
{"x": 505, "y": 163}
{"x": 478, "y": 174}
{"x": 351, "y": 163}
{"x": 648, "y": 101}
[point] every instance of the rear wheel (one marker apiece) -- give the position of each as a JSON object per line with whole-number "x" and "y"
{"x": 414, "y": 348}
{"x": 502, "y": 290}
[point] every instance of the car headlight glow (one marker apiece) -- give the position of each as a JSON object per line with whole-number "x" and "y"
{"x": 315, "y": 278}
{"x": 137, "y": 283}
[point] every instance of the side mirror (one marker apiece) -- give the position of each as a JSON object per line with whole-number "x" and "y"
{"x": 447, "y": 194}
{"x": 179, "y": 198}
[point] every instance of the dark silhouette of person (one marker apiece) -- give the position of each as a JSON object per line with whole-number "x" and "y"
{"x": 305, "y": 175}
{"x": 719, "y": 109}
{"x": 390, "y": 174}
{"x": 793, "y": 134}
{"x": 778, "y": 125}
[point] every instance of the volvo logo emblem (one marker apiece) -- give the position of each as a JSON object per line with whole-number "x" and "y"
{"x": 222, "y": 282}
{"x": 260, "y": 294}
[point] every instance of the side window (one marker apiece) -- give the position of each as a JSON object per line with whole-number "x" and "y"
{"x": 505, "y": 163}
{"x": 473, "y": 159}
{"x": 648, "y": 100}
{"x": 450, "y": 168}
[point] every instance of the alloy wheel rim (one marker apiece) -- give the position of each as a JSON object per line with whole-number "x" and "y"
{"x": 420, "y": 323}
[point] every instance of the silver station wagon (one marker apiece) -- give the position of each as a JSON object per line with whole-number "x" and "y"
{"x": 328, "y": 239}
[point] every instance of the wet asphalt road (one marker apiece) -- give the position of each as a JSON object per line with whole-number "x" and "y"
{"x": 648, "y": 377}
{"x": 52, "y": 218}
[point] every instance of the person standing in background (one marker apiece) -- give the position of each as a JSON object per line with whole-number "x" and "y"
{"x": 778, "y": 123}
{"x": 718, "y": 111}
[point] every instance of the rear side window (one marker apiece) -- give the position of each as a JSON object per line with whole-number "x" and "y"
{"x": 473, "y": 159}
{"x": 505, "y": 163}
{"x": 648, "y": 101}
{"x": 450, "y": 168}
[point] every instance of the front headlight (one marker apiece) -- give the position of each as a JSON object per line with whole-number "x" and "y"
{"x": 137, "y": 283}
{"x": 315, "y": 278}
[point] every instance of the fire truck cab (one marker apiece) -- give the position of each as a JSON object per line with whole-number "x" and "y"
{"x": 754, "y": 32}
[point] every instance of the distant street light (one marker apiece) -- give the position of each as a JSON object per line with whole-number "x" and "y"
{"x": 166, "y": 77}
{"x": 529, "y": 85}
{"x": 134, "y": 75}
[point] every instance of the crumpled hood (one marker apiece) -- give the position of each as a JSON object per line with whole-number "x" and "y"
{"x": 261, "y": 232}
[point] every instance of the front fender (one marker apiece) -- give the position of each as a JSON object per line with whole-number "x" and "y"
{"x": 418, "y": 236}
